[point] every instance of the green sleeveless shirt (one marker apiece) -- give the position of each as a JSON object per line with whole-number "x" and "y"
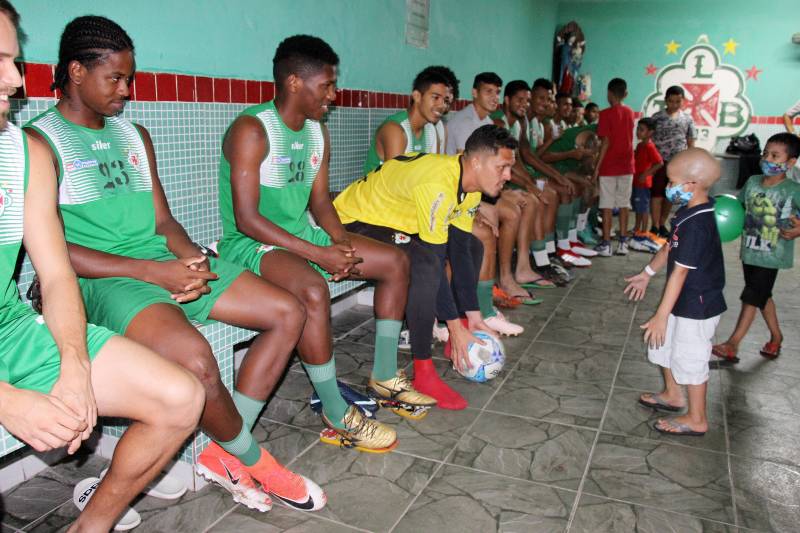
{"x": 13, "y": 183}
{"x": 105, "y": 188}
{"x": 286, "y": 175}
{"x": 424, "y": 143}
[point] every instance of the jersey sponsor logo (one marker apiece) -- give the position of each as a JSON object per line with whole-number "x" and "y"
{"x": 5, "y": 199}
{"x": 297, "y": 146}
{"x": 133, "y": 159}
{"x": 315, "y": 160}
{"x": 80, "y": 164}
{"x": 282, "y": 160}
{"x": 100, "y": 145}
{"x": 434, "y": 207}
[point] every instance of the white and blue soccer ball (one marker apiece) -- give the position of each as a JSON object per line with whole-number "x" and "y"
{"x": 487, "y": 360}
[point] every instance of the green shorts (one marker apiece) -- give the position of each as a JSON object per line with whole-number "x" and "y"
{"x": 248, "y": 253}
{"x": 29, "y": 357}
{"x": 114, "y": 302}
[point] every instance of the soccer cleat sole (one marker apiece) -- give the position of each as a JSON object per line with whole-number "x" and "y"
{"x": 334, "y": 438}
{"x": 231, "y": 488}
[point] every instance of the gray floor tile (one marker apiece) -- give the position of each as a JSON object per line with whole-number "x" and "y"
{"x": 766, "y": 435}
{"x": 368, "y": 491}
{"x": 551, "y": 399}
{"x": 600, "y": 515}
{"x": 433, "y": 437}
{"x": 674, "y": 478}
{"x": 526, "y": 449}
{"x": 579, "y": 363}
{"x": 767, "y": 494}
{"x": 242, "y": 519}
{"x": 462, "y": 500}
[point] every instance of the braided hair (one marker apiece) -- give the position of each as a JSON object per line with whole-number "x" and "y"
{"x": 88, "y": 40}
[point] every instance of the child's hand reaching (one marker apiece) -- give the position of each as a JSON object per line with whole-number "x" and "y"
{"x": 655, "y": 331}
{"x": 637, "y": 286}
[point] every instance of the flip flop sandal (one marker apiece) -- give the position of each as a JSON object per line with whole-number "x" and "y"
{"x": 771, "y": 350}
{"x": 725, "y": 353}
{"x": 503, "y": 300}
{"x": 659, "y": 404}
{"x": 537, "y": 284}
{"x": 682, "y": 430}
{"x": 527, "y": 300}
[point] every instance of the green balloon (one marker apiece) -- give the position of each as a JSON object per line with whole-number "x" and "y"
{"x": 729, "y": 213}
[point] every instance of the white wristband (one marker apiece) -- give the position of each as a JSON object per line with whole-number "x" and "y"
{"x": 649, "y": 271}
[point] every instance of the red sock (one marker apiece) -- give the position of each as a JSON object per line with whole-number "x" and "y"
{"x": 427, "y": 381}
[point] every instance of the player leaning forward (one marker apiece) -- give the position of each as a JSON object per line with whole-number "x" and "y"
{"x": 273, "y": 174}
{"x": 56, "y": 373}
{"x": 413, "y": 201}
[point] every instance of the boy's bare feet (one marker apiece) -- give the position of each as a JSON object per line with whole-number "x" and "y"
{"x": 682, "y": 426}
{"x": 662, "y": 401}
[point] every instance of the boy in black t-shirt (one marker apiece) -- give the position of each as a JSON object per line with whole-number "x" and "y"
{"x": 679, "y": 334}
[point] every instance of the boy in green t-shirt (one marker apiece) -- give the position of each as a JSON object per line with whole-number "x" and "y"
{"x": 772, "y": 203}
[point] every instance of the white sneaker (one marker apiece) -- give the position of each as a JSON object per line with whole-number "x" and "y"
{"x": 84, "y": 491}
{"x": 622, "y": 249}
{"x": 581, "y": 250}
{"x": 167, "y": 487}
{"x": 574, "y": 259}
{"x": 440, "y": 334}
{"x": 503, "y": 326}
{"x": 638, "y": 245}
{"x": 404, "y": 342}
{"x": 603, "y": 249}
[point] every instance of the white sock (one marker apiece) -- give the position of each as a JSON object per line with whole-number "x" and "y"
{"x": 573, "y": 235}
{"x": 550, "y": 247}
{"x": 583, "y": 218}
{"x": 563, "y": 244}
{"x": 540, "y": 258}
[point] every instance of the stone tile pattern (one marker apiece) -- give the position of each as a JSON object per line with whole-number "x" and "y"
{"x": 555, "y": 443}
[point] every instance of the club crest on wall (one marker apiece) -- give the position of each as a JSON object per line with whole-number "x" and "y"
{"x": 715, "y": 93}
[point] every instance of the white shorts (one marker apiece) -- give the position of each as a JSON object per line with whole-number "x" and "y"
{"x": 615, "y": 191}
{"x": 687, "y": 349}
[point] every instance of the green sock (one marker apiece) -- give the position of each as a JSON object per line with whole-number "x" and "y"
{"x": 538, "y": 246}
{"x": 248, "y": 407}
{"x": 562, "y": 220}
{"x": 323, "y": 379}
{"x": 485, "y": 301}
{"x": 574, "y": 212}
{"x": 592, "y": 220}
{"x": 387, "y": 333}
{"x": 244, "y": 447}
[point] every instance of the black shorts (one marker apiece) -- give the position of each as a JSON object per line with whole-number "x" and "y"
{"x": 659, "y": 183}
{"x": 379, "y": 233}
{"x": 758, "y": 284}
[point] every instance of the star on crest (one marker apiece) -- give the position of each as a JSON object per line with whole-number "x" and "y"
{"x": 730, "y": 47}
{"x": 753, "y": 72}
{"x": 651, "y": 70}
{"x": 672, "y": 47}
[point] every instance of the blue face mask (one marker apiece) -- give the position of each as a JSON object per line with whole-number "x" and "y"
{"x": 677, "y": 195}
{"x": 773, "y": 169}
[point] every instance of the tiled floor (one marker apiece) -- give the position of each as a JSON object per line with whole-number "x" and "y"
{"x": 556, "y": 443}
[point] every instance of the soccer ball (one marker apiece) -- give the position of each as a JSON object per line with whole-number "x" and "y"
{"x": 487, "y": 361}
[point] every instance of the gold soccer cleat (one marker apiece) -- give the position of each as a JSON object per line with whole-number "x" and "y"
{"x": 362, "y": 433}
{"x": 399, "y": 395}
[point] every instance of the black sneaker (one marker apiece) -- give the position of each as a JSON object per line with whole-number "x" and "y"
{"x": 663, "y": 232}
{"x": 550, "y": 273}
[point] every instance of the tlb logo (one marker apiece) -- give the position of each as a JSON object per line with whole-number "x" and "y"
{"x": 714, "y": 94}
{"x": 5, "y": 199}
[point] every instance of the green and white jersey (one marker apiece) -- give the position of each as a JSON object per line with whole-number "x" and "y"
{"x": 441, "y": 133}
{"x": 424, "y": 143}
{"x": 13, "y": 182}
{"x": 105, "y": 188}
{"x": 286, "y": 174}
{"x": 535, "y": 133}
{"x": 515, "y": 130}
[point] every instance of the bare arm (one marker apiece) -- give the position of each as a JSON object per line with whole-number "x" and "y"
{"x": 655, "y": 329}
{"x": 62, "y": 303}
{"x": 601, "y": 155}
{"x": 788, "y": 122}
{"x": 320, "y": 202}
{"x": 390, "y": 141}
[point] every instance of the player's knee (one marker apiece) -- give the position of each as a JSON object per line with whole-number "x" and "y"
{"x": 402, "y": 265}
{"x": 200, "y": 361}
{"x": 183, "y": 402}
{"x": 316, "y": 297}
{"x": 289, "y": 313}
